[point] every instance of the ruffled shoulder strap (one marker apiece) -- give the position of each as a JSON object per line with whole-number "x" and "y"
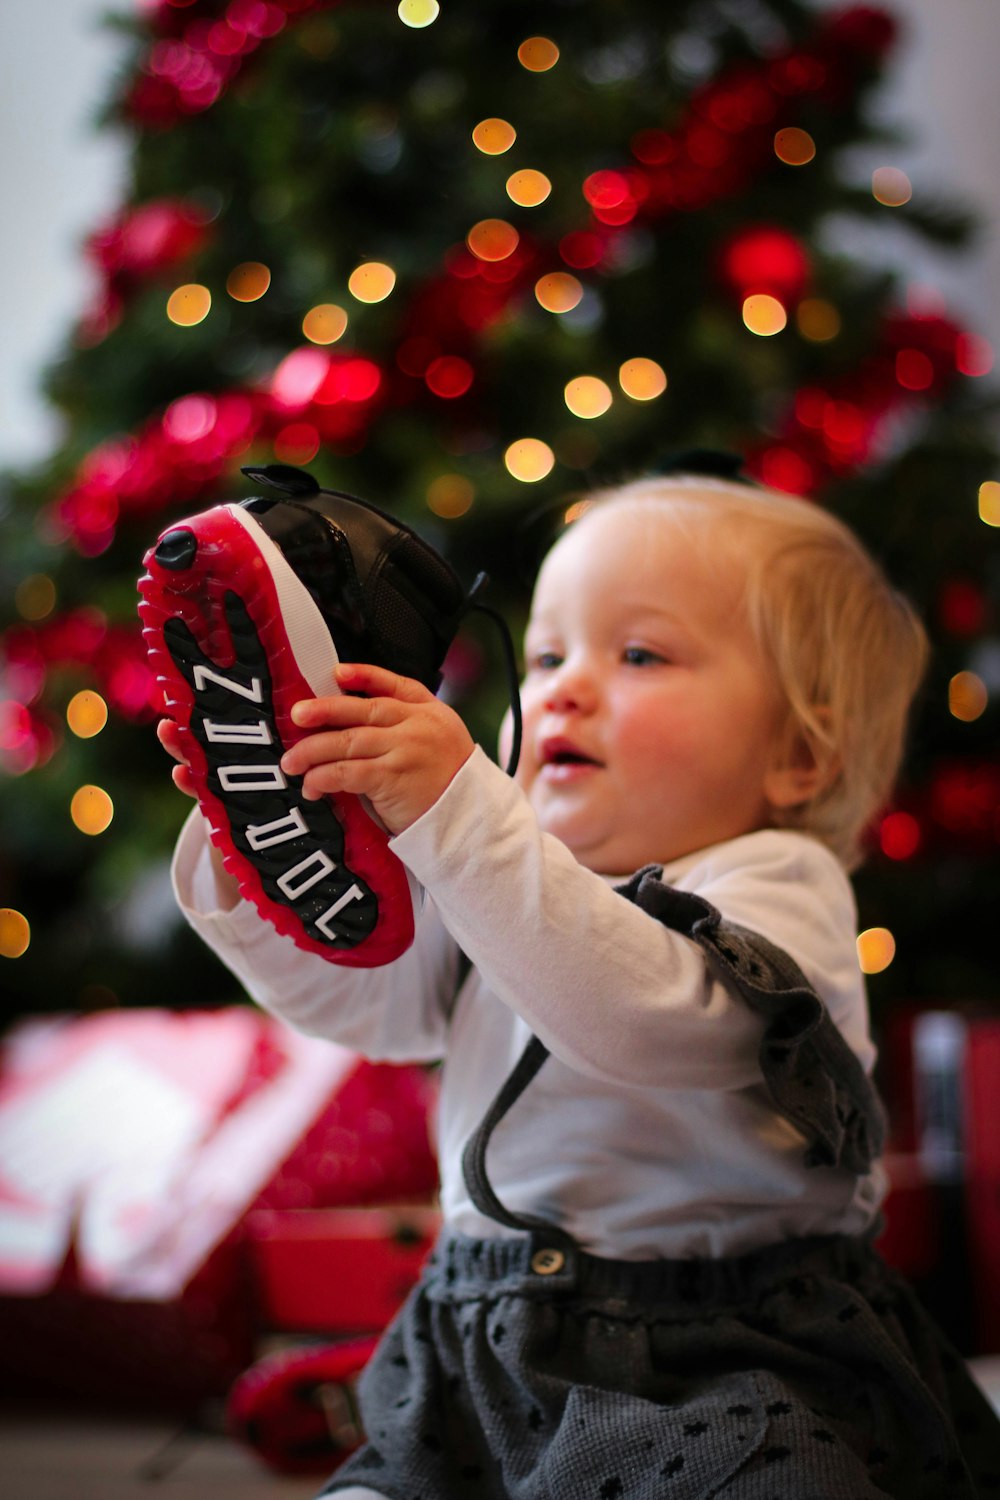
{"x": 813, "y": 1077}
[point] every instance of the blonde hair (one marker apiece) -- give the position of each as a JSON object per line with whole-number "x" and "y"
{"x": 847, "y": 651}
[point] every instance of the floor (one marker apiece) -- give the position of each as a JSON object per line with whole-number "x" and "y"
{"x": 58, "y": 1456}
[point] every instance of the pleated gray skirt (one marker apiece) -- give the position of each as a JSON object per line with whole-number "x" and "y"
{"x": 529, "y": 1370}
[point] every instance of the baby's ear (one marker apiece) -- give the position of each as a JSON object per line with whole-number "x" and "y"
{"x": 804, "y": 764}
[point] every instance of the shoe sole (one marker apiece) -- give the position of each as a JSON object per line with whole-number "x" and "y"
{"x": 236, "y": 640}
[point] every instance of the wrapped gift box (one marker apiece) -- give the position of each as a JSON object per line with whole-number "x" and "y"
{"x": 134, "y": 1148}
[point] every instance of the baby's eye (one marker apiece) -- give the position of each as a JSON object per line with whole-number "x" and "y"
{"x": 544, "y": 661}
{"x": 641, "y": 656}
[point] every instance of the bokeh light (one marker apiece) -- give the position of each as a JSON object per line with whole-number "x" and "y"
{"x": 86, "y": 714}
{"x": 763, "y": 314}
{"x": 642, "y": 379}
{"x": 876, "y": 949}
{"x": 914, "y": 370}
{"x": 494, "y": 136}
{"x": 529, "y": 459}
{"x": 15, "y": 933}
{"x": 296, "y": 443}
{"x": 449, "y": 376}
{"x": 35, "y": 597}
{"x": 91, "y": 809}
{"x": 899, "y": 835}
{"x": 527, "y": 188}
{"x": 587, "y": 396}
{"x": 372, "y": 281}
{"x": 793, "y": 146}
{"x": 558, "y": 291}
{"x": 538, "y": 54}
{"x": 248, "y": 282}
{"x": 418, "y": 13}
{"x": 989, "y": 502}
{"x": 189, "y": 304}
{"x": 492, "y": 239}
{"x": 325, "y": 323}
{"x": 967, "y": 696}
{"x": 817, "y": 320}
{"x": 450, "y": 496}
{"x": 891, "y": 187}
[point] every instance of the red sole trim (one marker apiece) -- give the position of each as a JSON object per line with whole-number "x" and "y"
{"x": 227, "y": 561}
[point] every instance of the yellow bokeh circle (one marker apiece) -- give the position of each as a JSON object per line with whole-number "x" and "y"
{"x": 248, "y": 282}
{"x": 494, "y": 136}
{"x": 372, "y": 281}
{"x": 558, "y": 292}
{"x": 587, "y": 396}
{"x": 91, "y": 809}
{"x": 86, "y": 713}
{"x": 989, "y": 502}
{"x": 325, "y": 323}
{"x": 492, "y": 239}
{"x": 891, "y": 187}
{"x": 418, "y": 13}
{"x": 642, "y": 379}
{"x": 817, "y": 320}
{"x": 876, "y": 949}
{"x": 527, "y": 188}
{"x": 794, "y": 147}
{"x": 967, "y": 697}
{"x": 538, "y": 54}
{"x": 764, "y": 314}
{"x": 15, "y": 933}
{"x": 450, "y": 496}
{"x": 529, "y": 459}
{"x": 189, "y": 304}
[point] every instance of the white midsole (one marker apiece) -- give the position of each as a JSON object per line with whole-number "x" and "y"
{"x": 313, "y": 650}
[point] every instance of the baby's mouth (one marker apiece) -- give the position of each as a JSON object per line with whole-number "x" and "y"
{"x": 563, "y": 757}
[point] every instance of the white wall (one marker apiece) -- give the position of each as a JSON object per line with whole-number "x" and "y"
{"x": 58, "y": 178}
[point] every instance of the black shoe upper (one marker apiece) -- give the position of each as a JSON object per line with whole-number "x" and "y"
{"x": 387, "y": 597}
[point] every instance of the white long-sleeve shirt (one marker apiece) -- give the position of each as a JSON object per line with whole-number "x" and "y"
{"x": 649, "y": 1131}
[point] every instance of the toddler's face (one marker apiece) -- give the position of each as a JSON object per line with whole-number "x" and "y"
{"x": 650, "y": 723}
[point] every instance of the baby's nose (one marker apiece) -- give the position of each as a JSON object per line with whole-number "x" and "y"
{"x": 571, "y": 686}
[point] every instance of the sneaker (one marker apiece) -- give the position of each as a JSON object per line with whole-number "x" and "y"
{"x": 246, "y": 609}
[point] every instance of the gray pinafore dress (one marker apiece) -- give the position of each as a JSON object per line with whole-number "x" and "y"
{"x": 527, "y": 1369}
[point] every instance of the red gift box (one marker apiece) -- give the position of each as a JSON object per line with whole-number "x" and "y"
{"x": 133, "y": 1147}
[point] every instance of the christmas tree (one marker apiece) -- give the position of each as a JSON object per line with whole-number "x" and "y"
{"x": 467, "y": 263}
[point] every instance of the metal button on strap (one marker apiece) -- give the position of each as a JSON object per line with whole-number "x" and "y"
{"x": 547, "y": 1262}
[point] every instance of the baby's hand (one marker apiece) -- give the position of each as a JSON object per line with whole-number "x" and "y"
{"x": 169, "y": 737}
{"x": 399, "y": 746}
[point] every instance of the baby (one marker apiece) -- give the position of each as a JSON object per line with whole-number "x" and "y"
{"x": 659, "y": 1139}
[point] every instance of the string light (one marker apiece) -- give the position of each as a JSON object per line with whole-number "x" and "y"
{"x": 891, "y": 187}
{"x": 528, "y": 188}
{"x": 914, "y": 370}
{"x": 763, "y": 314}
{"x": 494, "y": 136}
{"x": 86, "y": 714}
{"x": 35, "y": 597}
{"x": 189, "y": 304}
{"x": 899, "y": 835}
{"x": 492, "y": 239}
{"x": 248, "y": 282}
{"x": 876, "y": 949}
{"x": 587, "y": 396}
{"x": 538, "y": 54}
{"x": 558, "y": 292}
{"x": 642, "y": 379}
{"x": 817, "y": 320}
{"x": 15, "y": 933}
{"x": 91, "y": 809}
{"x": 418, "y": 13}
{"x": 967, "y": 696}
{"x": 298, "y": 443}
{"x": 529, "y": 460}
{"x": 450, "y": 496}
{"x": 989, "y": 502}
{"x": 325, "y": 323}
{"x": 372, "y": 281}
{"x": 794, "y": 147}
